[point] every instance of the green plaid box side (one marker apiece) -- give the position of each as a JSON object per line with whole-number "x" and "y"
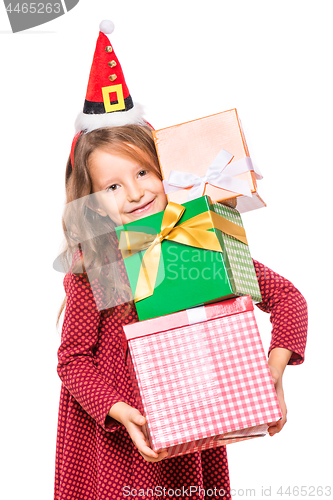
{"x": 238, "y": 258}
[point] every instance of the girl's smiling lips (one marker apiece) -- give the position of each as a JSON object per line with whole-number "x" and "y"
{"x": 142, "y": 208}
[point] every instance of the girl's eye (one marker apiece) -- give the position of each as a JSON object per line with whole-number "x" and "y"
{"x": 142, "y": 173}
{"x": 113, "y": 187}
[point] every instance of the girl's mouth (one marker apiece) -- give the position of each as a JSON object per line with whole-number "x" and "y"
{"x": 143, "y": 208}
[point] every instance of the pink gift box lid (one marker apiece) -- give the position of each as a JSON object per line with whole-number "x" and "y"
{"x": 179, "y": 319}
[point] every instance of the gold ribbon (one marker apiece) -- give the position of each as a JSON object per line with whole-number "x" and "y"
{"x": 192, "y": 232}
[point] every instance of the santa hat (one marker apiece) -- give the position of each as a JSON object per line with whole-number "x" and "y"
{"x": 108, "y": 102}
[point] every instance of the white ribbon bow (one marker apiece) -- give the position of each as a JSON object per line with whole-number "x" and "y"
{"x": 219, "y": 174}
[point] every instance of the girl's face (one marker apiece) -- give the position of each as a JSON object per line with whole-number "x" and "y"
{"x": 125, "y": 190}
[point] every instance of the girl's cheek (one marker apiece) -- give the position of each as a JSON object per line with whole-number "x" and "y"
{"x": 111, "y": 205}
{"x": 164, "y": 198}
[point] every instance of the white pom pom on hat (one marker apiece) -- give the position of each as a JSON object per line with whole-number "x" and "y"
{"x": 106, "y": 27}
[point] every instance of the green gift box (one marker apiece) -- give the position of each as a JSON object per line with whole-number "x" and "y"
{"x": 187, "y": 276}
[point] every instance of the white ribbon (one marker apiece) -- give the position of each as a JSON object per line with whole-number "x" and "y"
{"x": 219, "y": 174}
{"x": 196, "y": 315}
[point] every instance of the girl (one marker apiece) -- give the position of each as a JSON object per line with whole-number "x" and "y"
{"x": 102, "y": 452}
{"x": 113, "y": 177}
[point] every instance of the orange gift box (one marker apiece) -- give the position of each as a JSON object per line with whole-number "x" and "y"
{"x": 192, "y": 147}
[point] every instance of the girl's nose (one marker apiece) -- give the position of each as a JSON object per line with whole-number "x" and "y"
{"x": 135, "y": 191}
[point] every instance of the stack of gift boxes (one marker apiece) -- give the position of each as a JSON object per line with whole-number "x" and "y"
{"x": 197, "y": 364}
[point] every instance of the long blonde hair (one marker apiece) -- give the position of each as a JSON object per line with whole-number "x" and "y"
{"x": 85, "y": 229}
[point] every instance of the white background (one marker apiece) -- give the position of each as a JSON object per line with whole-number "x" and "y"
{"x": 182, "y": 60}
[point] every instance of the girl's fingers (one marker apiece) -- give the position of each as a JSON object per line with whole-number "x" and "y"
{"x": 140, "y": 420}
{"x": 149, "y": 454}
{"x": 277, "y": 427}
{"x": 160, "y": 456}
{"x": 143, "y": 448}
{"x": 137, "y": 418}
{"x": 274, "y": 374}
{"x": 144, "y": 430}
{"x": 139, "y": 437}
{"x": 140, "y": 441}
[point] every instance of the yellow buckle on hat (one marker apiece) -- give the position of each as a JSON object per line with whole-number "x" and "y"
{"x": 106, "y": 91}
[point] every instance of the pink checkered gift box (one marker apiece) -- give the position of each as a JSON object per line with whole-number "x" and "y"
{"x": 201, "y": 377}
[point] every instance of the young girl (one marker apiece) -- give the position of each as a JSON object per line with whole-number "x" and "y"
{"x": 112, "y": 178}
{"x": 102, "y": 452}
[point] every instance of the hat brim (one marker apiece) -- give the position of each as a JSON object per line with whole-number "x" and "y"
{"x": 88, "y": 122}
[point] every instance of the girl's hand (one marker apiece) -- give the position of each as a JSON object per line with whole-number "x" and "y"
{"x": 275, "y": 427}
{"x": 132, "y": 419}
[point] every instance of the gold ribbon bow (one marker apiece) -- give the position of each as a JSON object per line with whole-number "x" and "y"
{"x": 192, "y": 232}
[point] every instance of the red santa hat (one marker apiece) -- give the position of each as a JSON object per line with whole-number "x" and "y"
{"x": 108, "y": 102}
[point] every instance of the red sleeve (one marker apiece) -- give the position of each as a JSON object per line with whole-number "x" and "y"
{"x": 76, "y": 363}
{"x": 288, "y": 309}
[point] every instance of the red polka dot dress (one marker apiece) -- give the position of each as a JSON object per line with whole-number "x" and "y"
{"x": 95, "y": 457}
